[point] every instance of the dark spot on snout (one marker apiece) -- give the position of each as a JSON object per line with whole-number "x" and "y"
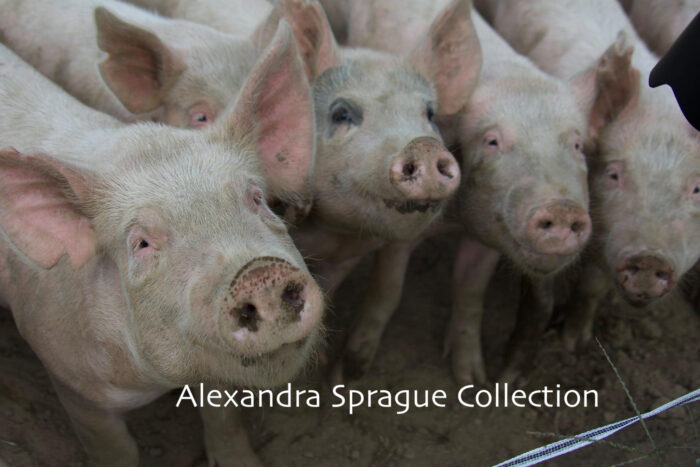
{"x": 247, "y": 316}
{"x": 292, "y": 300}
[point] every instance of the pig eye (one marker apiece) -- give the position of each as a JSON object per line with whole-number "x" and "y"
{"x": 613, "y": 175}
{"x": 142, "y": 244}
{"x": 344, "y": 112}
{"x": 200, "y": 115}
{"x": 429, "y": 113}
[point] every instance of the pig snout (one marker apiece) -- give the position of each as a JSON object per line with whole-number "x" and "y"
{"x": 274, "y": 299}
{"x": 645, "y": 277}
{"x": 425, "y": 170}
{"x": 560, "y": 228}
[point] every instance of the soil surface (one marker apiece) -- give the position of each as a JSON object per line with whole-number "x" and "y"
{"x": 656, "y": 353}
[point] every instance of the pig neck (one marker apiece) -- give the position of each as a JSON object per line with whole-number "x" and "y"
{"x": 87, "y": 311}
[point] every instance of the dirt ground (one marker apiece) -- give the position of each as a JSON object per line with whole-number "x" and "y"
{"x": 657, "y": 354}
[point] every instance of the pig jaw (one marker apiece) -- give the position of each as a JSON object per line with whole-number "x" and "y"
{"x": 381, "y": 167}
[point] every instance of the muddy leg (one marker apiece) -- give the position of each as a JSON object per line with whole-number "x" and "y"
{"x": 225, "y": 438}
{"x": 474, "y": 266}
{"x": 380, "y": 303}
{"x": 103, "y": 433}
{"x": 534, "y": 313}
{"x": 580, "y": 309}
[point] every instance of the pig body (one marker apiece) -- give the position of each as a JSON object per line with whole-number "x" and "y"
{"x": 660, "y": 23}
{"x": 139, "y": 258}
{"x": 524, "y": 194}
{"x": 239, "y": 17}
{"x": 645, "y": 177}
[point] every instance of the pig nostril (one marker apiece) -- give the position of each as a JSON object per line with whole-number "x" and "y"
{"x": 633, "y": 270}
{"x": 443, "y": 168}
{"x": 545, "y": 225}
{"x": 248, "y": 316}
{"x": 663, "y": 275}
{"x": 409, "y": 169}
{"x": 576, "y": 227}
{"x": 292, "y": 296}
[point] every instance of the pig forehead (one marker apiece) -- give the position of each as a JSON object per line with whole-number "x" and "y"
{"x": 216, "y": 73}
{"x": 373, "y": 80}
{"x": 655, "y": 149}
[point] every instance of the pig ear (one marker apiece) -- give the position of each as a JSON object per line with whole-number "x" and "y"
{"x": 608, "y": 87}
{"x": 275, "y": 106}
{"x": 312, "y": 32}
{"x": 40, "y": 210}
{"x": 450, "y": 56}
{"x": 140, "y": 68}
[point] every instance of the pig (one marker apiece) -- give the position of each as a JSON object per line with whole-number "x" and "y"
{"x": 138, "y": 258}
{"x": 382, "y": 174}
{"x": 135, "y": 65}
{"x": 660, "y": 23}
{"x": 645, "y": 173}
{"x": 524, "y": 194}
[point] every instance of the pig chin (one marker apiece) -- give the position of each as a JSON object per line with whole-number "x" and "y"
{"x": 278, "y": 366}
{"x": 538, "y": 264}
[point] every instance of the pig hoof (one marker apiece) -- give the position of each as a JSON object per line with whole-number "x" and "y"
{"x": 355, "y": 365}
{"x": 469, "y": 371}
{"x": 511, "y": 375}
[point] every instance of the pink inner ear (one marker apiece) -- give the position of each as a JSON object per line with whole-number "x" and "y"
{"x": 276, "y": 100}
{"x": 285, "y": 130}
{"x": 132, "y": 76}
{"x": 40, "y": 220}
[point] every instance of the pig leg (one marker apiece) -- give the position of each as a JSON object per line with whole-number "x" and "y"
{"x": 331, "y": 275}
{"x": 534, "y": 313}
{"x": 382, "y": 299}
{"x": 103, "y": 433}
{"x": 475, "y": 263}
{"x": 225, "y": 439}
{"x": 581, "y": 307}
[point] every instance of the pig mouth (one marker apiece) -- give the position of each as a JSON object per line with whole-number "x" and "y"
{"x": 541, "y": 263}
{"x": 413, "y": 205}
{"x": 265, "y": 358}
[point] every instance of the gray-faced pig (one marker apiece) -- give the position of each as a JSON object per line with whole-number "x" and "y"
{"x": 524, "y": 193}
{"x": 140, "y": 258}
{"x": 645, "y": 174}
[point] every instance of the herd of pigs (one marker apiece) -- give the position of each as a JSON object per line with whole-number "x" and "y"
{"x": 187, "y": 184}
